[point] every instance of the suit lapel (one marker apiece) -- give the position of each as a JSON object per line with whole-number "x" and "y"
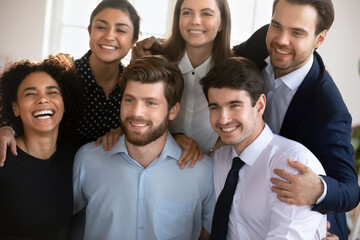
{"x": 301, "y": 100}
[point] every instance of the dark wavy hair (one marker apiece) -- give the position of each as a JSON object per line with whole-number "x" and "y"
{"x": 62, "y": 69}
{"x": 122, "y": 5}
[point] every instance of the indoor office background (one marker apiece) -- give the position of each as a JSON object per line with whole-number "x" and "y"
{"x": 36, "y": 28}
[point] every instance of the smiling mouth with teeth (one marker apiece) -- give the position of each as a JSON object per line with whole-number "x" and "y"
{"x": 108, "y": 47}
{"x": 228, "y": 129}
{"x": 196, "y": 32}
{"x": 44, "y": 114}
{"x": 283, "y": 52}
{"x": 139, "y": 124}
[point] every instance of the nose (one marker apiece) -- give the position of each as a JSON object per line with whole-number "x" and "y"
{"x": 283, "y": 38}
{"x": 196, "y": 19}
{"x": 42, "y": 99}
{"x": 110, "y": 34}
{"x": 138, "y": 109}
{"x": 224, "y": 117}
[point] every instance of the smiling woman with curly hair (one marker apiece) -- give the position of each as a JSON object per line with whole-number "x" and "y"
{"x": 36, "y": 199}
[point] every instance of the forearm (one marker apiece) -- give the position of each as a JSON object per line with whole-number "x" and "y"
{"x": 341, "y": 196}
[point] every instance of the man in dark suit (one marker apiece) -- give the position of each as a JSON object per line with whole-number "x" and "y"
{"x": 305, "y": 105}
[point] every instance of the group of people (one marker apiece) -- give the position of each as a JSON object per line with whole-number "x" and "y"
{"x": 115, "y": 142}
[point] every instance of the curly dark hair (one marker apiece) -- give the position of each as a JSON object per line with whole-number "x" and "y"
{"x": 62, "y": 69}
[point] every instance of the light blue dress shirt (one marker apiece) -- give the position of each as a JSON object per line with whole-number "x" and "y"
{"x": 280, "y": 92}
{"x": 125, "y": 201}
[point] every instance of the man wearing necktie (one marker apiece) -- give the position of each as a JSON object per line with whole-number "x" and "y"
{"x": 305, "y": 105}
{"x": 247, "y": 208}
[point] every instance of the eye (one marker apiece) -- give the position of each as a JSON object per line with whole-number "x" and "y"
{"x": 53, "y": 92}
{"x": 100, "y": 27}
{"x": 207, "y": 14}
{"x": 151, "y": 103}
{"x": 297, "y": 34}
{"x": 186, "y": 13}
{"x": 29, "y": 94}
{"x": 128, "y": 100}
{"x": 275, "y": 25}
{"x": 120, "y": 31}
{"x": 213, "y": 108}
{"x": 235, "y": 105}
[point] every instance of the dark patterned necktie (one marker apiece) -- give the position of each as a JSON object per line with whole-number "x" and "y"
{"x": 220, "y": 221}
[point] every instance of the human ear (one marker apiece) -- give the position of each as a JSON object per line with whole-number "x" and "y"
{"x": 261, "y": 104}
{"x": 320, "y": 38}
{"x": 220, "y": 27}
{"x": 174, "y": 111}
{"x": 15, "y": 108}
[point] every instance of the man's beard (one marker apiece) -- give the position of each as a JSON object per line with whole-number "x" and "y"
{"x": 144, "y": 139}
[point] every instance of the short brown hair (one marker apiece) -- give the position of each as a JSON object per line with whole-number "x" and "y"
{"x": 324, "y": 8}
{"x": 153, "y": 69}
{"x": 235, "y": 73}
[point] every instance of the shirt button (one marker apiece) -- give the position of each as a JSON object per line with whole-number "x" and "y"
{"x": 193, "y": 73}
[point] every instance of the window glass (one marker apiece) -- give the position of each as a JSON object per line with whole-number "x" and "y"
{"x": 156, "y": 20}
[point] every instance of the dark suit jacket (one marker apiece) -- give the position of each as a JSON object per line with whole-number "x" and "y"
{"x": 318, "y": 118}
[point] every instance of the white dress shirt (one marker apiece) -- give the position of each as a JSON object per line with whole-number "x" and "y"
{"x": 280, "y": 91}
{"x": 193, "y": 118}
{"x": 256, "y": 213}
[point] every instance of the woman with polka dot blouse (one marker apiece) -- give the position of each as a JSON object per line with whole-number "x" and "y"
{"x": 114, "y": 29}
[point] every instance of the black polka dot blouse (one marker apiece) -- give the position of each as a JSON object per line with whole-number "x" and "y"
{"x": 99, "y": 114}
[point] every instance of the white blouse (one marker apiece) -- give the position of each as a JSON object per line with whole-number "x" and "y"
{"x": 193, "y": 119}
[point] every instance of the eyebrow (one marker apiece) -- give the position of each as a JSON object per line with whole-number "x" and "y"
{"x": 228, "y": 103}
{"x": 34, "y": 88}
{"x": 293, "y": 28}
{"x": 116, "y": 24}
{"x": 202, "y": 10}
{"x": 145, "y": 98}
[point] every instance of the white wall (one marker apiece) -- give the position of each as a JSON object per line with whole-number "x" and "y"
{"x": 22, "y": 28}
{"x": 22, "y": 36}
{"x": 341, "y": 53}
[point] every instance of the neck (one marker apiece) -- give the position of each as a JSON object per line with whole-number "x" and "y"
{"x": 282, "y": 72}
{"x": 39, "y": 146}
{"x": 106, "y": 74}
{"x": 145, "y": 155}
{"x": 198, "y": 55}
{"x": 240, "y": 147}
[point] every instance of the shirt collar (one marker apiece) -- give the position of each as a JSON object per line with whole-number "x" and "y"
{"x": 171, "y": 148}
{"x": 85, "y": 60}
{"x": 252, "y": 152}
{"x": 186, "y": 67}
{"x": 293, "y": 79}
